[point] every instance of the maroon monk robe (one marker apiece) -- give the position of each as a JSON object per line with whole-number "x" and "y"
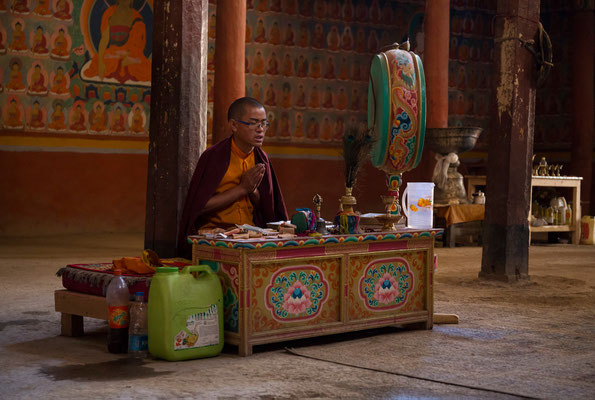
{"x": 210, "y": 169}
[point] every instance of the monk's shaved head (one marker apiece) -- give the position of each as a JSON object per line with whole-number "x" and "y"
{"x": 238, "y": 108}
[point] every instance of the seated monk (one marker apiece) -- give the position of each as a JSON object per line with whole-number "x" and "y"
{"x": 234, "y": 182}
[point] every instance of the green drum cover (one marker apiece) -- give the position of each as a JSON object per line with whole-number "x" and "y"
{"x": 378, "y": 108}
{"x": 397, "y": 110}
{"x": 422, "y": 104}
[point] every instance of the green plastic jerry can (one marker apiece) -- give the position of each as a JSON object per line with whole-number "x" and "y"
{"x": 185, "y": 313}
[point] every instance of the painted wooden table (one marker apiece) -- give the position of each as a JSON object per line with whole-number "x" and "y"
{"x": 276, "y": 290}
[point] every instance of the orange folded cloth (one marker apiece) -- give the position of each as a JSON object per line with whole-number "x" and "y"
{"x": 133, "y": 265}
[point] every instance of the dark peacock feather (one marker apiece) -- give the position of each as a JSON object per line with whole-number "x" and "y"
{"x": 356, "y": 146}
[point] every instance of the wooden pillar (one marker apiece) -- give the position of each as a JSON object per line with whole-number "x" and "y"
{"x": 506, "y": 229}
{"x": 229, "y": 62}
{"x": 583, "y": 127}
{"x": 178, "y": 115}
{"x": 436, "y": 44}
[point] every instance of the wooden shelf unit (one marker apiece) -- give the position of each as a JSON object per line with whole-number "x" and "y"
{"x": 573, "y": 182}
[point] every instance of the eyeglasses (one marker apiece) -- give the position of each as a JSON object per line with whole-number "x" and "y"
{"x": 255, "y": 125}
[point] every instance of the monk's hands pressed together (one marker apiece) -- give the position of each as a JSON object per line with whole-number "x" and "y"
{"x": 251, "y": 178}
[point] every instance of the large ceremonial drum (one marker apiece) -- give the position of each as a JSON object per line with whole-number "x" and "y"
{"x": 397, "y": 109}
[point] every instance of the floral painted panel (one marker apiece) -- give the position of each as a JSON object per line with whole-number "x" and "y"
{"x": 230, "y": 284}
{"x": 287, "y": 294}
{"x": 381, "y": 283}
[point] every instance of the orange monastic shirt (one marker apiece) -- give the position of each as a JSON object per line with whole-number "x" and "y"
{"x": 240, "y": 212}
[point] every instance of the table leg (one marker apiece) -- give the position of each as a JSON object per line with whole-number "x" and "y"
{"x": 71, "y": 325}
{"x": 244, "y": 348}
{"x": 450, "y": 235}
{"x": 576, "y": 213}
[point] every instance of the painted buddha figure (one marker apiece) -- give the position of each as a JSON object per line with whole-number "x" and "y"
{"x": 14, "y": 118}
{"x": 333, "y": 39}
{"x": 330, "y": 68}
{"x": 289, "y": 36}
{"x": 298, "y": 132}
{"x": 275, "y": 6}
{"x": 348, "y": 11}
{"x": 361, "y": 11}
{"x": 60, "y": 82}
{"x": 303, "y": 39}
{"x": 315, "y": 68}
{"x": 375, "y": 11}
{"x": 138, "y": 121}
{"x": 318, "y": 37}
{"x": 285, "y": 101}
{"x": 326, "y": 131}
{"x": 256, "y": 91}
{"x": 314, "y": 101}
{"x": 347, "y": 39}
{"x": 270, "y": 96}
{"x": 60, "y": 48}
{"x": 42, "y": 8}
{"x": 300, "y": 97}
{"x": 287, "y": 65}
{"x": 275, "y": 34}
{"x": 333, "y": 9}
{"x": 121, "y": 49}
{"x": 320, "y": 9}
{"x": 37, "y": 84}
{"x": 312, "y": 129}
{"x": 260, "y": 32}
{"x": 343, "y": 70}
{"x": 342, "y": 99}
{"x": 258, "y": 64}
{"x": 273, "y": 68}
{"x": 15, "y": 78}
{"x": 98, "y": 119}
{"x": 20, "y": 7}
{"x": 360, "y": 41}
{"x": 36, "y": 120}
{"x": 78, "y": 120}
{"x": 18, "y": 42}
{"x": 57, "y": 118}
{"x": 118, "y": 124}
{"x": 284, "y": 129}
{"x": 63, "y": 11}
{"x": 339, "y": 129}
{"x": 39, "y": 43}
{"x": 302, "y": 67}
{"x": 328, "y": 98}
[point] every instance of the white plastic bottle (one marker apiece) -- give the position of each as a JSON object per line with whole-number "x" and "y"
{"x": 138, "y": 333}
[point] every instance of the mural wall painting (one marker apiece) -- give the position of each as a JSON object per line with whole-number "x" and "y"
{"x": 76, "y": 66}
{"x": 308, "y": 61}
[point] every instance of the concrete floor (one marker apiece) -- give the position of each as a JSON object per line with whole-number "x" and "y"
{"x": 533, "y": 339}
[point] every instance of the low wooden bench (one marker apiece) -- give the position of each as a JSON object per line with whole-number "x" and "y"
{"x": 74, "y": 306}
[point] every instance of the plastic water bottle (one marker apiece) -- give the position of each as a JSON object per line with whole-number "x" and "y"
{"x": 138, "y": 336}
{"x": 117, "y": 297}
